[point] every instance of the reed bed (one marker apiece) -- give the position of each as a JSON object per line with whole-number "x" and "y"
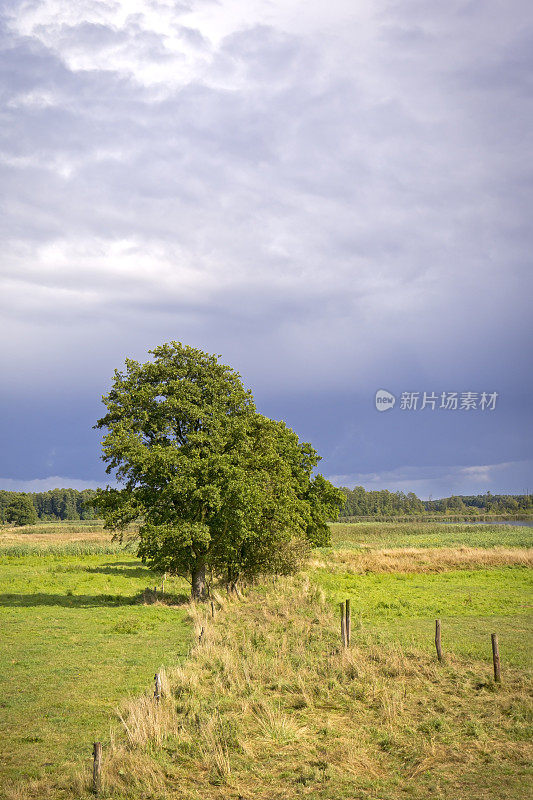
{"x": 436, "y": 559}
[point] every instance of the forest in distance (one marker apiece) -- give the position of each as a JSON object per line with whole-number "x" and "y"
{"x": 383, "y": 503}
{"x": 27, "y": 508}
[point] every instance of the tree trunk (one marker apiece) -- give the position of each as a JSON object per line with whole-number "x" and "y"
{"x": 198, "y": 582}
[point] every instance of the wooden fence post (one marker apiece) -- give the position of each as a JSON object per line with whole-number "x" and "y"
{"x": 157, "y": 690}
{"x": 496, "y": 658}
{"x": 97, "y": 768}
{"x": 437, "y": 639}
{"x": 348, "y": 623}
{"x": 343, "y": 624}
{"x": 212, "y": 609}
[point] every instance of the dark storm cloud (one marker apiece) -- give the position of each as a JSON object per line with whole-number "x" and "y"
{"x": 333, "y": 210}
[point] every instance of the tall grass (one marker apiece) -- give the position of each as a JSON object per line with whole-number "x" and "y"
{"x": 55, "y": 538}
{"x": 427, "y": 559}
{"x": 269, "y": 705}
{"x": 51, "y": 528}
{"x": 79, "y": 548}
{"x": 485, "y": 517}
{"x": 419, "y": 534}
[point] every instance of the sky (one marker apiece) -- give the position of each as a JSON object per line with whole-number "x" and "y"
{"x": 333, "y": 196}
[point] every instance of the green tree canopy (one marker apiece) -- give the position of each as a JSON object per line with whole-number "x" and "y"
{"x": 217, "y": 486}
{"x": 20, "y": 510}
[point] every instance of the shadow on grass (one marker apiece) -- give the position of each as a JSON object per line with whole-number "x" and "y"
{"x": 146, "y": 597}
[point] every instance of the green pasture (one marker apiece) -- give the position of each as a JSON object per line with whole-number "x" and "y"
{"x": 76, "y": 639}
{"x": 380, "y": 535}
{"x": 402, "y": 607}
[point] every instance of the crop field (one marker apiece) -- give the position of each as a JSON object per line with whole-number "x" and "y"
{"x": 262, "y": 701}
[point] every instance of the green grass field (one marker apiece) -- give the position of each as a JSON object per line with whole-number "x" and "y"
{"x": 268, "y": 705}
{"x": 472, "y": 604}
{"x": 402, "y": 607}
{"x": 75, "y": 641}
{"x": 380, "y": 535}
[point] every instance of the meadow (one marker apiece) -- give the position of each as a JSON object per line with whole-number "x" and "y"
{"x": 379, "y": 535}
{"x": 262, "y": 701}
{"x": 400, "y": 577}
{"x": 77, "y": 638}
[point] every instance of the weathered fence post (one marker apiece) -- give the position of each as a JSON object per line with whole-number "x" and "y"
{"x": 97, "y": 768}
{"x": 343, "y": 624}
{"x": 348, "y": 623}
{"x": 437, "y": 639}
{"x": 212, "y": 608}
{"x": 496, "y": 658}
{"x": 157, "y": 690}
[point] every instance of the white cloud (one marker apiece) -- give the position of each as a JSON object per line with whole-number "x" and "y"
{"x": 44, "y": 484}
{"x": 444, "y": 481}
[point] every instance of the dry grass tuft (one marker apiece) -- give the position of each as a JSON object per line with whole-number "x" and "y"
{"x": 126, "y": 773}
{"x": 10, "y": 536}
{"x": 214, "y": 748}
{"x": 410, "y": 559}
{"x": 147, "y": 721}
{"x": 39, "y": 788}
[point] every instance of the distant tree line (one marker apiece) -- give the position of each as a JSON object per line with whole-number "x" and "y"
{"x": 27, "y": 508}
{"x": 489, "y": 503}
{"x": 362, "y": 503}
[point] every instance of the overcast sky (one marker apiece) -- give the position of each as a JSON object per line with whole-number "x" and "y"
{"x": 335, "y": 196}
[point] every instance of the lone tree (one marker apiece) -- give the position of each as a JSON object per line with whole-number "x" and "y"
{"x": 218, "y": 488}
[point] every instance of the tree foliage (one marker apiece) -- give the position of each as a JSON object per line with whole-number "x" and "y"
{"x": 218, "y": 487}
{"x": 55, "y": 504}
{"x": 17, "y": 509}
{"x": 381, "y": 502}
